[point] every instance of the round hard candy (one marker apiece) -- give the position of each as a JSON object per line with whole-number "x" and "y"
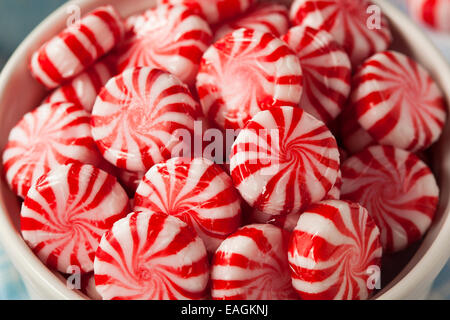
{"x": 397, "y": 188}
{"x": 198, "y": 192}
{"x": 77, "y": 47}
{"x": 326, "y": 71}
{"x": 169, "y": 38}
{"x": 84, "y": 88}
{"x": 244, "y": 73}
{"x": 433, "y": 13}
{"x": 251, "y": 264}
{"x": 284, "y": 160}
{"x": 359, "y": 26}
{"x": 335, "y": 252}
{"x": 214, "y": 11}
{"x": 140, "y": 116}
{"x": 51, "y": 135}
{"x": 397, "y": 102}
{"x": 151, "y": 256}
{"x": 66, "y": 213}
{"x": 267, "y": 17}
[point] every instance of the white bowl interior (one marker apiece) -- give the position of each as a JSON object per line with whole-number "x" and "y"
{"x": 20, "y": 93}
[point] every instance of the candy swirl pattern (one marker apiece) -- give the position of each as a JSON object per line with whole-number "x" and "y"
{"x": 66, "y": 213}
{"x": 349, "y": 22}
{"x": 169, "y": 38}
{"x": 139, "y": 117}
{"x": 51, "y": 135}
{"x": 214, "y": 11}
{"x": 333, "y": 250}
{"x": 284, "y": 160}
{"x": 252, "y": 264}
{"x": 397, "y": 102}
{"x": 326, "y": 72}
{"x": 244, "y": 73}
{"x": 434, "y": 13}
{"x": 397, "y": 188}
{"x": 77, "y": 47}
{"x": 151, "y": 256}
{"x": 196, "y": 191}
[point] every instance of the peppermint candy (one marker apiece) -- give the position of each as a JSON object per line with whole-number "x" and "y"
{"x": 84, "y": 88}
{"x": 326, "y": 71}
{"x": 355, "y": 25}
{"x": 267, "y": 17}
{"x": 397, "y": 102}
{"x": 196, "y": 191}
{"x": 77, "y": 47}
{"x": 67, "y": 211}
{"x": 334, "y": 250}
{"x": 244, "y": 73}
{"x": 252, "y": 264}
{"x": 284, "y": 160}
{"x": 397, "y": 188}
{"x": 139, "y": 117}
{"x": 214, "y": 11}
{"x": 169, "y": 38}
{"x": 51, "y": 135}
{"x": 434, "y": 13}
{"x": 151, "y": 256}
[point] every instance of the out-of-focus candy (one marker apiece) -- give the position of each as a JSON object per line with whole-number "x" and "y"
{"x": 77, "y": 47}
{"x": 398, "y": 190}
{"x": 244, "y": 73}
{"x": 267, "y": 17}
{"x": 66, "y": 213}
{"x": 51, "y": 135}
{"x": 151, "y": 256}
{"x": 252, "y": 264}
{"x": 358, "y": 26}
{"x": 397, "y": 102}
{"x": 434, "y": 13}
{"x": 335, "y": 252}
{"x": 169, "y": 38}
{"x": 196, "y": 191}
{"x": 139, "y": 117}
{"x": 84, "y": 88}
{"x": 326, "y": 71}
{"x": 214, "y": 11}
{"x": 284, "y": 160}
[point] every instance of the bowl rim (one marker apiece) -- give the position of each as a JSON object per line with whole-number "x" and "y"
{"x": 31, "y": 266}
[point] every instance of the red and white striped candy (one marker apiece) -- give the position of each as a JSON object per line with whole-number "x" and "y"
{"x": 244, "y": 73}
{"x": 67, "y": 211}
{"x": 51, "y": 135}
{"x": 397, "y": 102}
{"x": 138, "y": 115}
{"x": 267, "y": 17}
{"x": 434, "y": 13}
{"x": 84, "y": 88}
{"x": 326, "y": 71}
{"x": 283, "y": 160}
{"x": 356, "y": 25}
{"x": 169, "y": 38}
{"x": 251, "y": 264}
{"x": 397, "y": 188}
{"x": 289, "y": 221}
{"x": 151, "y": 256}
{"x": 335, "y": 252}
{"x": 77, "y": 47}
{"x": 196, "y": 191}
{"x": 214, "y": 11}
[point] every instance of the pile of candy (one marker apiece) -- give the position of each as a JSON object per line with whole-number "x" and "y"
{"x": 323, "y": 177}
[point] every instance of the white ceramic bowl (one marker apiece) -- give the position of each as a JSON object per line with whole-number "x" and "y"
{"x": 19, "y": 93}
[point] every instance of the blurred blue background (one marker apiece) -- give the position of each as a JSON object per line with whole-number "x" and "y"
{"x": 17, "y": 19}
